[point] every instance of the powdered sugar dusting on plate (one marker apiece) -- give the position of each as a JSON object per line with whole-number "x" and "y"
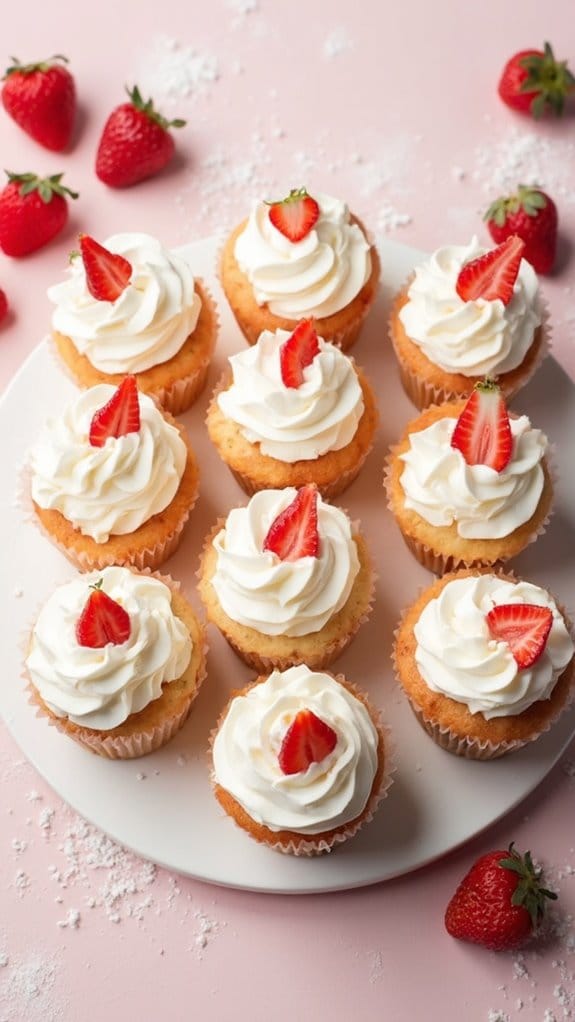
{"x": 172, "y": 70}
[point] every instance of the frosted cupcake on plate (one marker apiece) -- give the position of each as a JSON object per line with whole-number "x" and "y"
{"x": 113, "y": 479}
{"x": 468, "y": 484}
{"x": 486, "y": 661}
{"x": 300, "y": 760}
{"x": 286, "y": 579}
{"x": 304, "y": 255}
{"x": 466, "y": 314}
{"x": 132, "y": 306}
{"x": 115, "y": 660}
{"x": 293, "y": 410}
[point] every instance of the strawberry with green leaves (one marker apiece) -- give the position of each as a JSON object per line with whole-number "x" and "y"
{"x": 534, "y": 82}
{"x": 135, "y": 143}
{"x": 483, "y": 432}
{"x": 102, "y": 621}
{"x": 500, "y": 903}
{"x": 296, "y": 215}
{"x": 33, "y": 210}
{"x": 41, "y": 98}
{"x": 530, "y": 214}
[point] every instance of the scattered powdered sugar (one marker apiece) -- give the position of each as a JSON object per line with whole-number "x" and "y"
{"x": 388, "y": 218}
{"x": 171, "y": 70}
{"x": 26, "y": 993}
{"x": 72, "y": 920}
{"x": 526, "y": 158}
{"x": 337, "y": 42}
{"x": 497, "y": 1016}
{"x": 4, "y": 959}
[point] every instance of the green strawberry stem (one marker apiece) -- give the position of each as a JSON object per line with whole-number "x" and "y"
{"x": 27, "y": 69}
{"x": 46, "y": 187}
{"x": 551, "y": 79}
{"x": 527, "y": 197}
{"x": 529, "y": 894}
{"x": 294, "y": 196}
{"x": 147, "y": 107}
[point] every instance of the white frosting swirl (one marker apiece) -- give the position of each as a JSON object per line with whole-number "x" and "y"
{"x": 146, "y": 325}
{"x": 484, "y": 504}
{"x": 245, "y": 754}
{"x": 100, "y": 688}
{"x": 275, "y": 597}
{"x": 475, "y": 338}
{"x": 456, "y": 655}
{"x": 293, "y": 423}
{"x": 109, "y": 490}
{"x": 316, "y": 276}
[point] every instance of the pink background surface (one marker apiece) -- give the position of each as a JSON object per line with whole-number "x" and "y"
{"x": 397, "y": 112}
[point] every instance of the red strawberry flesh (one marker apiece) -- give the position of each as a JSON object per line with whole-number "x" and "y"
{"x": 307, "y": 740}
{"x": 119, "y": 416}
{"x": 492, "y": 276}
{"x": 293, "y": 534}
{"x": 524, "y": 627}
{"x": 297, "y": 352}
{"x": 483, "y": 431}
{"x": 296, "y": 215}
{"x": 102, "y": 621}
{"x": 107, "y": 273}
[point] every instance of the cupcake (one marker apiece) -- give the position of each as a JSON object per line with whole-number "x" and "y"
{"x": 300, "y": 257}
{"x": 113, "y": 479}
{"x": 286, "y": 579}
{"x": 293, "y": 410}
{"x": 300, "y": 761}
{"x": 464, "y": 315}
{"x": 469, "y": 485}
{"x": 486, "y": 661}
{"x": 115, "y": 660}
{"x": 132, "y": 306}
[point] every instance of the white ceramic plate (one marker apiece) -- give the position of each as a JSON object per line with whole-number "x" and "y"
{"x": 169, "y": 815}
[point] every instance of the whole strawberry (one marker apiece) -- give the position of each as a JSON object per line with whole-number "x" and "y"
{"x": 41, "y": 98}
{"x": 33, "y": 210}
{"x": 531, "y": 214}
{"x": 135, "y": 142}
{"x": 533, "y": 82}
{"x": 499, "y": 903}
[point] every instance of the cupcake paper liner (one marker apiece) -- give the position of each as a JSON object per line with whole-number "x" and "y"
{"x": 423, "y": 393}
{"x": 111, "y": 746}
{"x": 313, "y": 845}
{"x": 467, "y": 746}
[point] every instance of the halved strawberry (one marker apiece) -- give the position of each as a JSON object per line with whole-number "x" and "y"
{"x": 482, "y": 432}
{"x": 307, "y": 740}
{"x": 293, "y": 534}
{"x": 297, "y": 352}
{"x": 492, "y": 275}
{"x": 102, "y": 621}
{"x": 107, "y": 273}
{"x": 120, "y": 415}
{"x": 295, "y": 215}
{"x": 524, "y": 627}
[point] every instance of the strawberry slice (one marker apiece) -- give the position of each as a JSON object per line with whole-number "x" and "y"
{"x": 120, "y": 415}
{"x": 307, "y": 740}
{"x": 297, "y": 352}
{"x": 294, "y": 216}
{"x": 524, "y": 627}
{"x": 492, "y": 275}
{"x": 102, "y": 621}
{"x": 107, "y": 273}
{"x": 482, "y": 432}
{"x": 293, "y": 534}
